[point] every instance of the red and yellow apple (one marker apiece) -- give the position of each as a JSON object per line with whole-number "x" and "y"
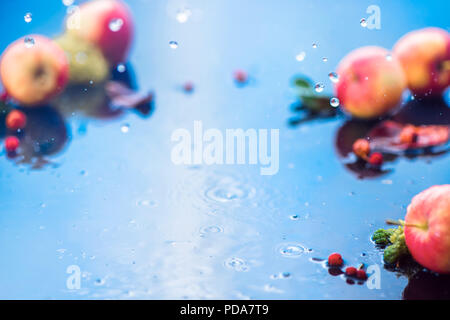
{"x": 371, "y": 82}
{"x": 105, "y": 23}
{"x": 427, "y": 228}
{"x": 425, "y": 57}
{"x": 33, "y": 69}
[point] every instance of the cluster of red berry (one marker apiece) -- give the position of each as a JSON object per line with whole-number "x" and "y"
{"x": 15, "y": 120}
{"x": 361, "y": 148}
{"x": 335, "y": 260}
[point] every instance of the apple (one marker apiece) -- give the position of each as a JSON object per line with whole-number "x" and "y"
{"x": 105, "y": 23}
{"x": 427, "y": 228}
{"x": 425, "y": 57}
{"x": 371, "y": 82}
{"x": 33, "y": 69}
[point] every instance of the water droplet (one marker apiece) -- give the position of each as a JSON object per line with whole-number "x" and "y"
{"x": 210, "y": 229}
{"x": 389, "y": 57}
{"x": 68, "y": 2}
{"x": 301, "y": 56}
{"x": 325, "y": 59}
{"x": 121, "y": 68}
{"x": 315, "y": 45}
{"x": 236, "y": 264}
{"x": 292, "y": 250}
{"x": 183, "y": 15}
{"x": 115, "y": 24}
{"x": 334, "y": 102}
{"x": 100, "y": 282}
{"x": 28, "y": 17}
{"x": 29, "y": 42}
{"x": 363, "y": 22}
{"x": 319, "y": 87}
{"x": 125, "y": 128}
{"x": 334, "y": 77}
{"x": 294, "y": 217}
{"x": 173, "y": 44}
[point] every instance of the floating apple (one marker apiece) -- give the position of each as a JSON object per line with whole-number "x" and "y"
{"x": 105, "y": 23}
{"x": 427, "y": 228}
{"x": 371, "y": 82}
{"x": 33, "y": 69}
{"x": 425, "y": 57}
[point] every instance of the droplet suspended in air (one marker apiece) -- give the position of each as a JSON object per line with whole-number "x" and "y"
{"x": 325, "y": 59}
{"x": 301, "y": 56}
{"x": 115, "y": 24}
{"x": 121, "y": 68}
{"x": 27, "y": 17}
{"x": 29, "y": 42}
{"x": 183, "y": 15}
{"x": 334, "y": 77}
{"x": 315, "y": 45}
{"x": 319, "y": 87}
{"x": 125, "y": 128}
{"x": 67, "y": 2}
{"x": 173, "y": 44}
{"x": 363, "y": 22}
{"x": 334, "y": 102}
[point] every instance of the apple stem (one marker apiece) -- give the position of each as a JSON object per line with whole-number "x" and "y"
{"x": 403, "y": 224}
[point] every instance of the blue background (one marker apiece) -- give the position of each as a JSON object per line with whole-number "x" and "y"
{"x": 114, "y": 204}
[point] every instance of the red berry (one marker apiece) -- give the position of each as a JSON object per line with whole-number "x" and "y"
{"x": 240, "y": 76}
{"x": 335, "y": 260}
{"x": 350, "y": 271}
{"x": 376, "y": 159}
{"x": 361, "y": 148}
{"x": 361, "y": 274}
{"x": 16, "y": 120}
{"x": 188, "y": 87}
{"x": 11, "y": 143}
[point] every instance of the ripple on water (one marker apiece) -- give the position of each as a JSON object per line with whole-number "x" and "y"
{"x": 292, "y": 250}
{"x": 237, "y": 264}
{"x": 228, "y": 189}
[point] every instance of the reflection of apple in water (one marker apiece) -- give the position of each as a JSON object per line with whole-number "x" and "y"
{"x": 45, "y": 133}
{"x": 427, "y": 228}
{"x": 371, "y": 82}
{"x": 106, "y": 23}
{"x": 425, "y": 285}
{"x": 33, "y": 69}
{"x": 425, "y": 57}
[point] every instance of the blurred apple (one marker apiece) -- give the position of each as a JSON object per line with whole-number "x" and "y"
{"x": 427, "y": 228}
{"x": 107, "y": 24}
{"x": 371, "y": 82}
{"x": 425, "y": 57}
{"x": 33, "y": 69}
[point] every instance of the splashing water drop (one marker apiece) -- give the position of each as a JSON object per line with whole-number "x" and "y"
{"x": 363, "y": 22}
{"x": 301, "y": 56}
{"x": 173, "y": 44}
{"x": 121, "y": 68}
{"x": 29, "y": 42}
{"x": 125, "y": 128}
{"x": 334, "y": 77}
{"x": 115, "y": 24}
{"x": 319, "y": 87}
{"x": 28, "y": 17}
{"x": 334, "y": 102}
